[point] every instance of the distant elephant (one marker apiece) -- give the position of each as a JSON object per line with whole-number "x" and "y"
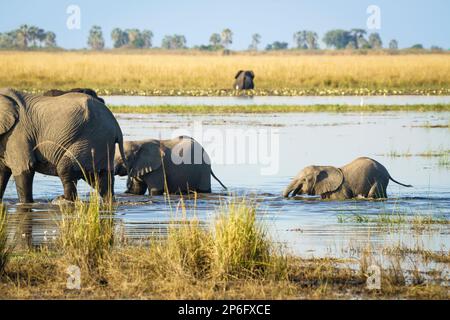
{"x": 72, "y": 136}
{"x": 364, "y": 177}
{"x": 89, "y": 92}
{"x": 182, "y": 162}
{"x": 244, "y": 80}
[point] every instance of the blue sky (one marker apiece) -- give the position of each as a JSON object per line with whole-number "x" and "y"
{"x": 409, "y": 22}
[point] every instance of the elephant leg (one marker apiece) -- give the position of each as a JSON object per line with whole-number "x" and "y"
{"x": 4, "y": 178}
{"x": 24, "y": 186}
{"x": 106, "y": 185}
{"x": 70, "y": 189}
{"x": 377, "y": 191}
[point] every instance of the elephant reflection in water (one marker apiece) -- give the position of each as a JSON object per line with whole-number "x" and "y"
{"x": 27, "y": 230}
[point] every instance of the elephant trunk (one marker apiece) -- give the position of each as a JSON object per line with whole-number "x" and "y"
{"x": 293, "y": 187}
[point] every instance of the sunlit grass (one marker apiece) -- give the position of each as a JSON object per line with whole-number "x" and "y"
{"x": 183, "y": 74}
{"x": 5, "y": 249}
{"x": 86, "y": 232}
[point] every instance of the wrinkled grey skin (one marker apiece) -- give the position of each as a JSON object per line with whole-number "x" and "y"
{"x": 244, "y": 80}
{"x": 57, "y": 93}
{"x": 362, "y": 178}
{"x": 152, "y": 162}
{"x": 72, "y": 136}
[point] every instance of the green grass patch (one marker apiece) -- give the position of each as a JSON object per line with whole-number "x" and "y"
{"x": 205, "y": 109}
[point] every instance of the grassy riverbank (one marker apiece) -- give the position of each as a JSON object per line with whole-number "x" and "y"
{"x": 233, "y": 258}
{"x": 211, "y": 75}
{"x": 203, "y": 109}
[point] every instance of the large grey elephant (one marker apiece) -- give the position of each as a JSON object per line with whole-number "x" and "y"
{"x": 72, "y": 136}
{"x": 178, "y": 165}
{"x": 244, "y": 80}
{"x": 363, "y": 177}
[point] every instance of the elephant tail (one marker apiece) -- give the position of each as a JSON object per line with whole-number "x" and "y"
{"x": 121, "y": 150}
{"x": 217, "y": 179}
{"x": 405, "y": 185}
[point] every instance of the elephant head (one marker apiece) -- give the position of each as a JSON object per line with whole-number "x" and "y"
{"x": 315, "y": 180}
{"x": 141, "y": 158}
{"x": 244, "y": 80}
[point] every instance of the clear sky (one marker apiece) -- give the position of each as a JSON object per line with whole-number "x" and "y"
{"x": 408, "y": 21}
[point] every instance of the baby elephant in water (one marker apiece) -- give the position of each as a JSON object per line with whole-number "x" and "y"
{"x": 177, "y": 165}
{"x": 364, "y": 177}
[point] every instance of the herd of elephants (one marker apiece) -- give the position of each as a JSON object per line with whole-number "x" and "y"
{"x": 73, "y": 135}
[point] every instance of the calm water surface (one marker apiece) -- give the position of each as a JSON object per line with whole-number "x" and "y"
{"x": 307, "y": 226}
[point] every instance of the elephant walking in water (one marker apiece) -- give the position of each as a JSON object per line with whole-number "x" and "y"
{"x": 364, "y": 177}
{"x": 177, "y": 165}
{"x": 72, "y": 136}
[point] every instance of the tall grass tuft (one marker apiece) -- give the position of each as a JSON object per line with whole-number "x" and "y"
{"x": 236, "y": 246}
{"x": 5, "y": 250}
{"x": 86, "y": 235}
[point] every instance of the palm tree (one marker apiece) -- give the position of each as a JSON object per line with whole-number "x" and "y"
{"x": 95, "y": 40}
{"x": 256, "y": 40}
{"x": 356, "y": 35}
{"x": 147, "y": 37}
{"x": 50, "y": 39}
{"x": 227, "y": 37}
{"x": 22, "y": 36}
{"x": 215, "y": 39}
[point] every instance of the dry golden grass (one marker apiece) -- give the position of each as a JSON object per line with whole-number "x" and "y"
{"x": 158, "y": 73}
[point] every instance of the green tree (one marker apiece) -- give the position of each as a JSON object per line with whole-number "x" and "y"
{"x": 393, "y": 44}
{"x": 356, "y": 36}
{"x": 147, "y": 38}
{"x": 22, "y": 36}
{"x": 95, "y": 40}
{"x": 277, "y": 45}
{"x": 119, "y": 38}
{"x": 226, "y": 37}
{"x": 312, "y": 40}
{"x": 135, "y": 38}
{"x": 50, "y": 39}
{"x": 375, "y": 41}
{"x": 300, "y": 39}
{"x": 215, "y": 39}
{"x": 417, "y": 46}
{"x": 256, "y": 40}
{"x": 172, "y": 42}
{"x": 338, "y": 38}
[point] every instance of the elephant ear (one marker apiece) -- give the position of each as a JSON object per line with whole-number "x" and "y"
{"x": 8, "y": 114}
{"x": 237, "y": 74}
{"x": 328, "y": 179}
{"x": 147, "y": 158}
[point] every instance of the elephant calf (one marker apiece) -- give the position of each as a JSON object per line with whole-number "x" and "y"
{"x": 364, "y": 177}
{"x": 244, "y": 80}
{"x": 177, "y": 165}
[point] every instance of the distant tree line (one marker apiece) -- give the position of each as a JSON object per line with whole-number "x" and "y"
{"x": 26, "y": 37}
{"x": 355, "y": 39}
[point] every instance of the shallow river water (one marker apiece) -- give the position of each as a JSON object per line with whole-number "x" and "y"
{"x": 256, "y": 155}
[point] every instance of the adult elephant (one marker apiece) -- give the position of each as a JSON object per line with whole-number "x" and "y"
{"x": 363, "y": 177}
{"x": 72, "y": 136}
{"x": 244, "y": 80}
{"x": 177, "y": 165}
